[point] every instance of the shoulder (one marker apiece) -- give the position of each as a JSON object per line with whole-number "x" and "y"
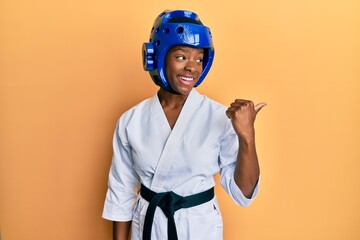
{"x": 215, "y": 104}
{"x": 214, "y": 111}
{"x": 135, "y": 111}
{"x": 138, "y": 108}
{"x": 212, "y": 104}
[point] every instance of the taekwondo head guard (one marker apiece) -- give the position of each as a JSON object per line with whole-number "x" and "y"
{"x": 172, "y": 28}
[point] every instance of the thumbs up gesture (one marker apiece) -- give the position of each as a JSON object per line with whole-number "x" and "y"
{"x": 243, "y": 114}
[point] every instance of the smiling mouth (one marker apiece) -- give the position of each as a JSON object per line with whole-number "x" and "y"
{"x": 187, "y": 79}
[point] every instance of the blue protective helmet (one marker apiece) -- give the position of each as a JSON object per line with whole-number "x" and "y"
{"x": 173, "y": 28}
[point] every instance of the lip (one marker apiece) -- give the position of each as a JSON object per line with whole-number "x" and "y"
{"x": 186, "y": 79}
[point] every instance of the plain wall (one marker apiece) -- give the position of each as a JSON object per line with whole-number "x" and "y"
{"x": 69, "y": 69}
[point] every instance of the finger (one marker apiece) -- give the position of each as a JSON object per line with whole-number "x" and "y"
{"x": 235, "y": 104}
{"x": 241, "y": 100}
{"x": 229, "y": 113}
{"x": 232, "y": 108}
{"x": 259, "y": 106}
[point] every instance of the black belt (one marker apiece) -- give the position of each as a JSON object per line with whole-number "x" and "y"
{"x": 169, "y": 202}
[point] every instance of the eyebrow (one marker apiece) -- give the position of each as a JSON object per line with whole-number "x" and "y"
{"x": 186, "y": 50}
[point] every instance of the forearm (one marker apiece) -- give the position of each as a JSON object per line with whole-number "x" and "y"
{"x": 247, "y": 169}
{"x": 121, "y": 230}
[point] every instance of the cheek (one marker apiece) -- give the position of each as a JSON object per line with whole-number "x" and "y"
{"x": 168, "y": 72}
{"x": 200, "y": 68}
{"x": 172, "y": 69}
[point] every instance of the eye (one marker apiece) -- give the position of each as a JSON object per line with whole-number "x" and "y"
{"x": 200, "y": 60}
{"x": 180, "y": 57}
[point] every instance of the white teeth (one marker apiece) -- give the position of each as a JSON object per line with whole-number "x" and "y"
{"x": 188, "y": 79}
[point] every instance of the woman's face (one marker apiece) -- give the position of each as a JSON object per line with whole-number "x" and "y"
{"x": 183, "y": 66}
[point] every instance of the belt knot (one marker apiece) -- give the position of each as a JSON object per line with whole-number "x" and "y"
{"x": 169, "y": 202}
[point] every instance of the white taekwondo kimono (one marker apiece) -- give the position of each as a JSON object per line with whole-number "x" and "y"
{"x": 183, "y": 160}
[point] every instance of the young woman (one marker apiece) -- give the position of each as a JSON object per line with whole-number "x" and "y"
{"x": 168, "y": 148}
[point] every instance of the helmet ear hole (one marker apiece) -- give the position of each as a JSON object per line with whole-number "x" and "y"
{"x": 180, "y": 30}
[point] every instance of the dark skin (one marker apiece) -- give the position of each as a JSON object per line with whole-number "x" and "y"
{"x": 242, "y": 114}
{"x": 183, "y": 69}
{"x": 121, "y": 230}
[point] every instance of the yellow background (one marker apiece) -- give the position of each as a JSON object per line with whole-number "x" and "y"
{"x": 69, "y": 69}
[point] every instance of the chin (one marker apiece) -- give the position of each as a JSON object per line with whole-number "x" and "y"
{"x": 184, "y": 91}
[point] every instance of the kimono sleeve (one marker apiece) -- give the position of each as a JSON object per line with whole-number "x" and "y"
{"x": 123, "y": 181}
{"x": 229, "y": 148}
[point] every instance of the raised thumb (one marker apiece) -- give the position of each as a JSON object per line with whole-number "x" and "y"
{"x": 259, "y": 106}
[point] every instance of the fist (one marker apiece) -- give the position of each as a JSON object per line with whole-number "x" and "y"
{"x": 242, "y": 114}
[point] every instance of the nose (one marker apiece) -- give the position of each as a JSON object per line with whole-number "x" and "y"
{"x": 190, "y": 66}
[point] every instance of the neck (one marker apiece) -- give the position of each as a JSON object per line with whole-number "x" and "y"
{"x": 171, "y": 100}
